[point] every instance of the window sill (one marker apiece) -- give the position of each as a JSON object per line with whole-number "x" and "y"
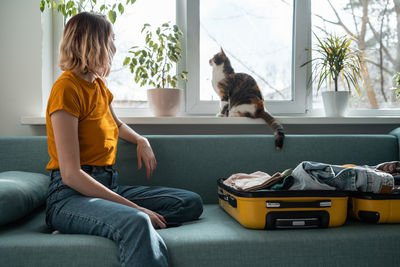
{"x": 193, "y": 120}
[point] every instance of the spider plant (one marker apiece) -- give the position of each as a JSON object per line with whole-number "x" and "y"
{"x": 336, "y": 61}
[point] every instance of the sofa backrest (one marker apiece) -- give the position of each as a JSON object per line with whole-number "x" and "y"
{"x": 195, "y": 162}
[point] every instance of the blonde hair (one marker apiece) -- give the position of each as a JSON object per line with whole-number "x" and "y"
{"x": 87, "y": 45}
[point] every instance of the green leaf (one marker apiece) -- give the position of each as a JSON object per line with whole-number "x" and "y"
{"x": 42, "y": 5}
{"x": 183, "y": 76}
{"x": 70, "y": 4}
{"x": 126, "y": 61}
{"x": 173, "y": 58}
{"x": 112, "y": 15}
{"x": 144, "y": 27}
{"x": 141, "y": 60}
{"x": 133, "y": 1}
{"x": 64, "y": 11}
{"x": 155, "y": 47}
{"x": 121, "y": 8}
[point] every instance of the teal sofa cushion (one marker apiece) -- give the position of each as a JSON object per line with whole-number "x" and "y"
{"x": 21, "y": 193}
{"x": 215, "y": 240}
{"x": 29, "y": 242}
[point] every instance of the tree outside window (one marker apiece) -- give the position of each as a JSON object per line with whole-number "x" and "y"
{"x": 375, "y": 27}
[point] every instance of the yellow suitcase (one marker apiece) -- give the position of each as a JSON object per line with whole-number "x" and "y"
{"x": 375, "y": 208}
{"x": 266, "y": 209}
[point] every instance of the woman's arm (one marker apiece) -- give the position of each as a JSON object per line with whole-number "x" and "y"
{"x": 144, "y": 152}
{"x": 65, "y": 128}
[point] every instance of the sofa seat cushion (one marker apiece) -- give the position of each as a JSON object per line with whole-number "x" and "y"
{"x": 214, "y": 240}
{"x": 29, "y": 242}
{"x": 20, "y": 193}
{"x": 218, "y": 240}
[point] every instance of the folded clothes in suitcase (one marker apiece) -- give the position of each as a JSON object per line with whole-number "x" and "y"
{"x": 267, "y": 209}
{"x": 375, "y": 208}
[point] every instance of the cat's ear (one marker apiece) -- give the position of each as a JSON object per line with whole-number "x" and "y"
{"x": 222, "y": 51}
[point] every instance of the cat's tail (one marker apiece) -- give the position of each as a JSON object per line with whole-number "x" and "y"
{"x": 276, "y": 127}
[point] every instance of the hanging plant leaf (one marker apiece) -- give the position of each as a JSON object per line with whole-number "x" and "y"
{"x": 112, "y": 15}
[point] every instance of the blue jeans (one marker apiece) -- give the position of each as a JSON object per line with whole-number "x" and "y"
{"x": 139, "y": 243}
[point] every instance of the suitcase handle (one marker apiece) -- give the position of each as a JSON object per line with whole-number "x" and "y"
{"x": 228, "y": 198}
{"x": 297, "y": 219}
{"x": 325, "y": 203}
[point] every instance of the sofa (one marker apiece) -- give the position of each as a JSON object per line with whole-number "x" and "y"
{"x": 196, "y": 162}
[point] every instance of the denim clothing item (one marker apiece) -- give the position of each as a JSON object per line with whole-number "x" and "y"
{"x": 139, "y": 243}
{"x": 320, "y": 176}
{"x": 285, "y": 184}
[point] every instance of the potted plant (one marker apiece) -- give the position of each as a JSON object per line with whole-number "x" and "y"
{"x": 336, "y": 61}
{"x": 153, "y": 65}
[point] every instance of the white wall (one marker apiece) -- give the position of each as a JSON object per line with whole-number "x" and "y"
{"x": 20, "y": 65}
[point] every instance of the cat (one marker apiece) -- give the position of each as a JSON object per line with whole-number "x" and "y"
{"x": 241, "y": 96}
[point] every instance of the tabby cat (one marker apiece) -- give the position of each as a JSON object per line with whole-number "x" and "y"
{"x": 241, "y": 96}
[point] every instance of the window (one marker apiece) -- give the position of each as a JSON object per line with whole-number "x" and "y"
{"x": 268, "y": 40}
{"x": 374, "y": 25}
{"x": 259, "y": 38}
{"x": 127, "y": 34}
{"x": 127, "y": 94}
{"x": 252, "y": 40}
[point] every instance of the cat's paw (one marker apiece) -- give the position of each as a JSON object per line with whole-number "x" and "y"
{"x": 279, "y": 138}
{"x": 220, "y": 115}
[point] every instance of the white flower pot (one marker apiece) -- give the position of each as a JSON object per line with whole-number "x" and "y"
{"x": 165, "y": 102}
{"x": 335, "y": 103}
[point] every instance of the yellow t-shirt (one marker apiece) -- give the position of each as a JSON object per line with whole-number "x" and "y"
{"x": 97, "y": 130}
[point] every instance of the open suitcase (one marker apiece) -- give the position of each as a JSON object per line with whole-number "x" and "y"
{"x": 266, "y": 209}
{"x": 375, "y": 208}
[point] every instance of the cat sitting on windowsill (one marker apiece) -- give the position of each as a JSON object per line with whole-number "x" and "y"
{"x": 241, "y": 96}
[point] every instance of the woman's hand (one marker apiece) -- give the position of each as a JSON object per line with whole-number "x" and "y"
{"x": 146, "y": 156}
{"x": 156, "y": 219}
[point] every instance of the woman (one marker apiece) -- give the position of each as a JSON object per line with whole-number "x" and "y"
{"x": 82, "y": 130}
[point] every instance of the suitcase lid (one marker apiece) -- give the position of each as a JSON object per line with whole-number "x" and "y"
{"x": 281, "y": 193}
